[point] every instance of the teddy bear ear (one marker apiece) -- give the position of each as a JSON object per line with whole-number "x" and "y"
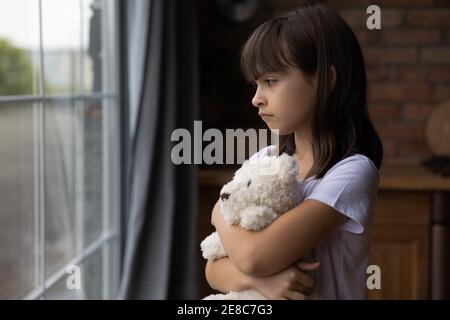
{"x": 288, "y": 167}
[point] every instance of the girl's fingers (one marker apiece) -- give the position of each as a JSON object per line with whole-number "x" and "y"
{"x": 304, "y": 280}
{"x": 308, "y": 266}
{"x": 294, "y": 295}
{"x": 301, "y": 288}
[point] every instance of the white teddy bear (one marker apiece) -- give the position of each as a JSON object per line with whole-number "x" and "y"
{"x": 261, "y": 190}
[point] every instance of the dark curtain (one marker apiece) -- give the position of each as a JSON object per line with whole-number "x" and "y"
{"x": 160, "y": 237}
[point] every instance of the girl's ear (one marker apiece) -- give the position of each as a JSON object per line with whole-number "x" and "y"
{"x": 333, "y": 77}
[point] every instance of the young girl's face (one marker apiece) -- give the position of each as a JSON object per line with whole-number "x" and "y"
{"x": 285, "y": 99}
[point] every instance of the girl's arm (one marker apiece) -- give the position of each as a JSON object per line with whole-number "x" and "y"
{"x": 223, "y": 276}
{"x": 282, "y": 243}
{"x": 291, "y": 283}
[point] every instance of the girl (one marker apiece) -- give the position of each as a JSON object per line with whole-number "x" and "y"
{"x": 310, "y": 85}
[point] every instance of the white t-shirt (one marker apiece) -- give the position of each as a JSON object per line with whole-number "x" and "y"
{"x": 350, "y": 187}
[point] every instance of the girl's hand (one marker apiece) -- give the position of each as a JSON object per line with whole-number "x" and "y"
{"x": 290, "y": 284}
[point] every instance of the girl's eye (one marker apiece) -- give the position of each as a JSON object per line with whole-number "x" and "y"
{"x": 249, "y": 183}
{"x": 270, "y": 81}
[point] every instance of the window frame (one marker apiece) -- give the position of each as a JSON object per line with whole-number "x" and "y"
{"x": 113, "y": 142}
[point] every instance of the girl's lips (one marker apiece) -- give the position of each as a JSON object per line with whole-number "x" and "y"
{"x": 262, "y": 114}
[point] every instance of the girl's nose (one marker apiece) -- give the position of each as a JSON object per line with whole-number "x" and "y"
{"x": 258, "y": 100}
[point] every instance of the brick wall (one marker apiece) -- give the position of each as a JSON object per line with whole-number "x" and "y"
{"x": 408, "y": 67}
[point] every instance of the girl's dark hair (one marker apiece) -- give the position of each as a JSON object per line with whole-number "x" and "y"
{"x": 312, "y": 38}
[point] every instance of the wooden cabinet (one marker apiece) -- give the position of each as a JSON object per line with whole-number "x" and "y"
{"x": 401, "y": 234}
{"x": 400, "y": 245}
{"x": 402, "y": 255}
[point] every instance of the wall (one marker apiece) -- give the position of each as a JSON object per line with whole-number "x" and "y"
{"x": 408, "y": 67}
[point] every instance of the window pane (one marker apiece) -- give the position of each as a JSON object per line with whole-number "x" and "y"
{"x": 93, "y": 275}
{"x": 92, "y": 26}
{"x": 19, "y": 47}
{"x": 60, "y": 178}
{"x": 113, "y": 263}
{"x": 101, "y": 272}
{"x": 61, "y": 28}
{"x": 99, "y": 26}
{"x": 18, "y": 253}
{"x": 100, "y": 46}
{"x": 93, "y": 170}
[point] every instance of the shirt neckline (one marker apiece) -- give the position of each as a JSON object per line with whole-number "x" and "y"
{"x": 305, "y": 180}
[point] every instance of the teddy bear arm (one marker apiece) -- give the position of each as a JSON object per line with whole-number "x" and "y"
{"x": 212, "y": 247}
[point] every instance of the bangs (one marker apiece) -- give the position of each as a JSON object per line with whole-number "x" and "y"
{"x": 265, "y": 51}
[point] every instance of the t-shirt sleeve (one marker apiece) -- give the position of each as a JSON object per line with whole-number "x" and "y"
{"x": 263, "y": 152}
{"x": 350, "y": 187}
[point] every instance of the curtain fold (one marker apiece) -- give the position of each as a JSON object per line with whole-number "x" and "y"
{"x": 161, "y": 245}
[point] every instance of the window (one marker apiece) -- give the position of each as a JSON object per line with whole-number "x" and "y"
{"x": 59, "y": 148}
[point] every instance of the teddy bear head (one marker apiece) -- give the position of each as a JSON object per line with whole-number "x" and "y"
{"x": 267, "y": 181}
